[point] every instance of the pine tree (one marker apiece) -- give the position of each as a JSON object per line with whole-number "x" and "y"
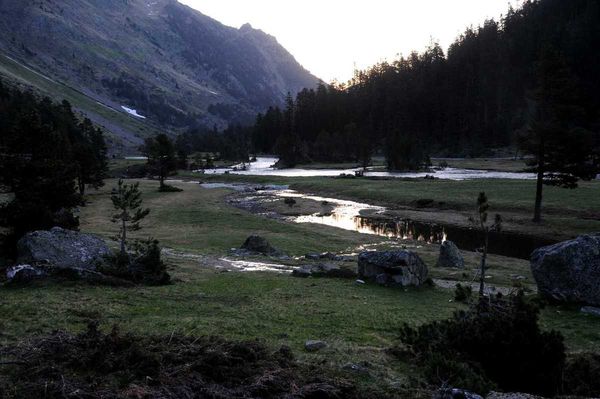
{"x": 161, "y": 156}
{"x": 127, "y": 201}
{"x": 482, "y": 222}
{"x": 89, "y": 149}
{"x": 563, "y": 151}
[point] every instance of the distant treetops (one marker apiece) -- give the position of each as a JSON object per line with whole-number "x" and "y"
{"x": 479, "y": 96}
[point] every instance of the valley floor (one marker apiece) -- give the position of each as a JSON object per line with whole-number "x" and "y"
{"x": 359, "y": 322}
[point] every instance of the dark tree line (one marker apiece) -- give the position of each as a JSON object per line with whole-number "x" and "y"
{"x": 47, "y": 158}
{"x": 232, "y": 144}
{"x": 483, "y": 94}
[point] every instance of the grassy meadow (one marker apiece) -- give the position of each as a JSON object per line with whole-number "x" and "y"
{"x": 359, "y": 321}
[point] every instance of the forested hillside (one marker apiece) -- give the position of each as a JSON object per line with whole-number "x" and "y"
{"x": 479, "y": 95}
{"x": 156, "y": 62}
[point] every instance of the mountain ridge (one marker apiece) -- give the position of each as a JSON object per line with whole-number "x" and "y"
{"x": 171, "y": 63}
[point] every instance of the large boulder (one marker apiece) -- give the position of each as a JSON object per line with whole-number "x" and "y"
{"x": 569, "y": 271}
{"x": 402, "y": 268}
{"x": 62, "y": 248}
{"x": 450, "y": 256}
{"x": 258, "y": 244}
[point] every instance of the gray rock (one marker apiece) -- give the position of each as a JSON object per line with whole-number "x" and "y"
{"x": 569, "y": 271}
{"x": 62, "y": 248}
{"x": 312, "y": 256}
{"x": 326, "y": 256}
{"x": 258, "y": 244}
{"x": 450, "y": 256}
{"x": 302, "y": 271}
{"x": 313, "y": 345}
{"x": 23, "y": 274}
{"x": 590, "y": 310}
{"x": 358, "y": 368}
{"x": 500, "y": 395}
{"x": 455, "y": 393}
{"x": 383, "y": 279}
{"x": 403, "y": 268}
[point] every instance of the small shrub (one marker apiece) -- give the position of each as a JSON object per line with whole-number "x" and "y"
{"x": 463, "y": 293}
{"x": 143, "y": 266}
{"x": 498, "y": 342}
{"x": 443, "y": 164}
{"x": 289, "y": 201}
{"x": 582, "y": 375}
{"x": 462, "y": 374}
{"x": 147, "y": 266}
{"x": 165, "y": 188}
{"x": 424, "y": 203}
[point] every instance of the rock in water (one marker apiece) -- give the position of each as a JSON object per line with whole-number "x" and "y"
{"x": 402, "y": 268}
{"x": 62, "y": 248}
{"x": 569, "y": 271}
{"x": 450, "y": 256}
{"x": 260, "y": 245}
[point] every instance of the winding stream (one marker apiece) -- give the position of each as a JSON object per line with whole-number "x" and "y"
{"x": 370, "y": 219}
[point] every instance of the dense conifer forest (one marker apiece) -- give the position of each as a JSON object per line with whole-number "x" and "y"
{"x": 48, "y": 156}
{"x": 478, "y": 96}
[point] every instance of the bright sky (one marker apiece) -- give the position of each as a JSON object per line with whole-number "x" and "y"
{"x": 331, "y": 37}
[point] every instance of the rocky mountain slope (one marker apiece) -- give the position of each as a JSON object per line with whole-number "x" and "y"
{"x": 156, "y": 61}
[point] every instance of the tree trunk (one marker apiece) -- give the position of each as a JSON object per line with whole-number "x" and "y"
{"x": 123, "y": 237}
{"x": 537, "y": 213}
{"x": 483, "y": 260}
{"x": 81, "y": 186}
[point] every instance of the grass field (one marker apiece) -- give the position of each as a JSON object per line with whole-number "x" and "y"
{"x": 359, "y": 322}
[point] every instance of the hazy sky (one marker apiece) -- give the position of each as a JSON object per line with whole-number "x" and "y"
{"x": 330, "y": 37}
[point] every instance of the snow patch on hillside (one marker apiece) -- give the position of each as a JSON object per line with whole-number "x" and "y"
{"x": 132, "y": 112}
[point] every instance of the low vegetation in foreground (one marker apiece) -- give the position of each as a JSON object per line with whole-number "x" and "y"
{"x": 360, "y": 323}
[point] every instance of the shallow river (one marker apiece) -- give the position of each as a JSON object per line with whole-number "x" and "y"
{"x": 369, "y": 219}
{"x": 263, "y": 167}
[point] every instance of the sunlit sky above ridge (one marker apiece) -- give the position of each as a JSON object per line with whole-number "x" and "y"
{"x": 332, "y": 37}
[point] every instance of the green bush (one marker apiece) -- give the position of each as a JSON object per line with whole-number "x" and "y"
{"x": 582, "y": 375}
{"x": 497, "y": 342}
{"x": 165, "y": 188}
{"x": 143, "y": 266}
{"x": 147, "y": 266}
{"x": 463, "y": 293}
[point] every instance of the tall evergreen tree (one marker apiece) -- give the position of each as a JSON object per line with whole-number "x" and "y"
{"x": 127, "y": 201}
{"x": 162, "y": 160}
{"x": 563, "y": 151}
{"x": 90, "y": 153}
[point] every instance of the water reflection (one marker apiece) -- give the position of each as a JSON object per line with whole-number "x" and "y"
{"x": 345, "y": 217}
{"x": 369, "y": 219}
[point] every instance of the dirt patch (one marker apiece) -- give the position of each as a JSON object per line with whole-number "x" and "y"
{"x": 270, "y": 205}
{"x": 300, "y": 207}
{"x": 97, "y": 365}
